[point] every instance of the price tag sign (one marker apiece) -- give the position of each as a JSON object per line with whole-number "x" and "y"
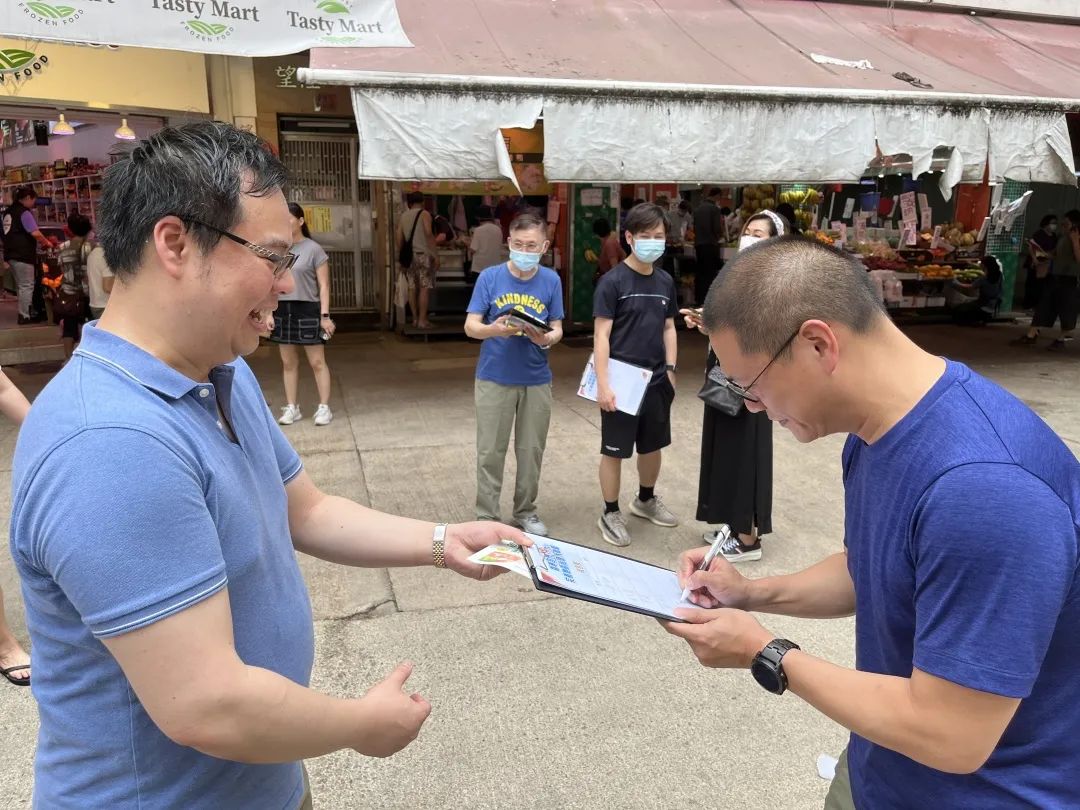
{"x": 860, "y": 229}
{"x": 936, "y": 242}
{"x": 907, "y": 208}
{"x": 910, "y": 235}
{"x": 925, "y": 214}
{"x": 843, "y": 234}
{"x": 849, "y": 207}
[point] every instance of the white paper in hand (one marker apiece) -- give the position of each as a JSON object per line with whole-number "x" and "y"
{"x": 628, "y": 382}
{"x": 504, "y": 555}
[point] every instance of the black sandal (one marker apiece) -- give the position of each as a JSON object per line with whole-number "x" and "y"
{"x": 17, "y": 681}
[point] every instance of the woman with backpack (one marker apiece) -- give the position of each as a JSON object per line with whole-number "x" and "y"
{"x": 303, "y": 319}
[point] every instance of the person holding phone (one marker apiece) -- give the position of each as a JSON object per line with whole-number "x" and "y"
{"x": 736, "y": 479}
{"x": 513, "y": 378}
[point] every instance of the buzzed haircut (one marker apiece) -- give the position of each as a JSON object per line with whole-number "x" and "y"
{"x": 770, "y": 289}
{"x": 644, "y": 217}
{"x": 528, "y": 220}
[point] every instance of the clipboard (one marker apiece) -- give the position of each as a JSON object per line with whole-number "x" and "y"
{"x": 525, "y": 317}
{"x": 629, "y": 383}
{"x": 621, "y": 575}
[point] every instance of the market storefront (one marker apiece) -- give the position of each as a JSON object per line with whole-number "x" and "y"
{"x": 834, "y": 95}
{"x": 64, "y": 108}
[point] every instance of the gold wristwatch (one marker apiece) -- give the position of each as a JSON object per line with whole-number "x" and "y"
{"x": 438, "y": 545}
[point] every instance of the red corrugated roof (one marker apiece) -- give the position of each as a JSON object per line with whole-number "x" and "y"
{"x": 726, "y": 42}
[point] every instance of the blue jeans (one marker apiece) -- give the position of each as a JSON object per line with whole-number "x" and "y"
{"x": 24, "y": 283}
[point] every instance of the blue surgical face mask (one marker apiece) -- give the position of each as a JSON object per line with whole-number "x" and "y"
{"x": 649, "y": 250}
{"x": 525, "y": 261}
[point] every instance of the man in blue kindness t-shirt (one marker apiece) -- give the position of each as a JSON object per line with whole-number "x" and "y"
{"x": 513, "y": 379}
{"x": 157, "y": 510}
{"x": 960, "y": 558}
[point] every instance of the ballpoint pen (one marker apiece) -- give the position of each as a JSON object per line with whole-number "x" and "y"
{"x": 723, "y": 534}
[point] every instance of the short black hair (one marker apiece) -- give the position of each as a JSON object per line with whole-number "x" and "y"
{"x": 414, "y": 198}
{"x": 725, "y": 211}
{"x": 79, "y": 224}
{"x": 1074, "y": 217}
{"x": 684, "y": 205}
{"x": 715, "y": 192}
{"x": 768, "y": 291}
{"x": 199, "y": 171}
{"x": 22, "y": 192}
{"x": 644, "y": 216}
{"x": 602, "y": 228}
{"x": 1047, "y": 220}
{"x": 626, "y": 203}
{"x": 528, "y": 220}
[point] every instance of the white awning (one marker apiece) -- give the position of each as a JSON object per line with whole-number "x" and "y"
{"x": 813, "y": 91}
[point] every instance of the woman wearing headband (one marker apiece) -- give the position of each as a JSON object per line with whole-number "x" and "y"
{"x": 735, "y": 484}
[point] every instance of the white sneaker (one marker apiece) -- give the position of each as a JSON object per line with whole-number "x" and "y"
{"x": 289, "y": 414}
{"x": 533, "y": 525}
{"x": 323, "y": 415}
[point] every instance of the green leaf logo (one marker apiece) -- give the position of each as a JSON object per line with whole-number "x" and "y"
{"x": 13, "y": 59}
{"x": 333, "y": 7}
{"x": 206, "y": 29}
{"x": 52, "y": 12}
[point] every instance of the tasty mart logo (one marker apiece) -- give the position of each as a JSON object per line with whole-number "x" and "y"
{"x": 51, "y": 14}
{"x": 18, "y": 65}
{"x": 333, "y": 6}
{"x": 208, "y": 32}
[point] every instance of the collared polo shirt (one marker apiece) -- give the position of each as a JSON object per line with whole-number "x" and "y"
{"x": 131, "y": 503}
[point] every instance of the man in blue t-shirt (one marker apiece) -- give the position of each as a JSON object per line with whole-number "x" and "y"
{"x": 513, "y": 380}
{"x": 960, "y": 549}
{"x": 157, "y": 510}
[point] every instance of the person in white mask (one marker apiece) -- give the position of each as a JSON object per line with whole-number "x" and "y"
{"x": 736, "y": 478}
{"x": 634, "y": 308}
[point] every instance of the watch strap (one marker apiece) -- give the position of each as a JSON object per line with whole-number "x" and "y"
{"x": 438, "y": 546}
{"x": 772, "y": 657}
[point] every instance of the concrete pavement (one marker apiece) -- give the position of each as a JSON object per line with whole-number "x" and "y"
{"x": 542, "y": 702}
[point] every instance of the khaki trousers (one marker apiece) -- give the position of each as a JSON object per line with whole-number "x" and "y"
{"x": 839, "y": 796}
{"x": 525, "y": 409}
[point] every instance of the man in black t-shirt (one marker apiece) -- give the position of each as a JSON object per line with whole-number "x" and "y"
{"x": 634, "y": 309}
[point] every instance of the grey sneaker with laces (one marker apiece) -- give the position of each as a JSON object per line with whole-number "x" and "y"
{"x": 533, "y": 525}
{"x": 735, "y": 552}
{"x": 613, "y": 529}
{"x": 655, "y": 511}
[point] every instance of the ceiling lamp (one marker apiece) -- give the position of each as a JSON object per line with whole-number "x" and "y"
{"x": 124, "y": 132}
{"x": 63, "y": 127}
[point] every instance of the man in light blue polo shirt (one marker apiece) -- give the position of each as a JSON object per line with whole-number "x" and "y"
{"x": 157, "y": 508}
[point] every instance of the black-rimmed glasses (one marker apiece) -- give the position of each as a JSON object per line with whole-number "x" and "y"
{"x": 282, "y": 264}
{"x": 735, "y": 388}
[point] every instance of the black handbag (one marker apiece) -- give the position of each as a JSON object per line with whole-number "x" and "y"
{"x": 716, "y": 394}
{"x": 405, "y": 255}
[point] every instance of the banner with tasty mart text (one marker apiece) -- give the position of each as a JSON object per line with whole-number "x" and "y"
{"x": 244, "y": 28}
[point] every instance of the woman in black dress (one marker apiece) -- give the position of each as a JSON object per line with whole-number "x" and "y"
{"x": 735, "y": 485}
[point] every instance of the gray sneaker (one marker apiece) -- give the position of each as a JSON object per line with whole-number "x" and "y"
{"x": 613, "y": 529}
{"x": 533, "y": 525}
{"x": 655, "y": 511}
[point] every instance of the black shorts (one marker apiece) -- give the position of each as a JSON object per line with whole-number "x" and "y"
{"x": 298, "y": 323}
{"x": 650, "y": 430}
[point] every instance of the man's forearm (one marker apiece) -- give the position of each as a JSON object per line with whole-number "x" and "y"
{"x": 341, "y": 531}
{"x": 601, "y": 355}
{"x": 264, "y": 718}
{"x": 671, "y": 344}
{"x": 822, "y": 591}
{"x": 884, "y": 709}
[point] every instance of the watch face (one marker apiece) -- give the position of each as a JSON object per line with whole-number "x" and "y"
{"x": 766, "y": 676}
